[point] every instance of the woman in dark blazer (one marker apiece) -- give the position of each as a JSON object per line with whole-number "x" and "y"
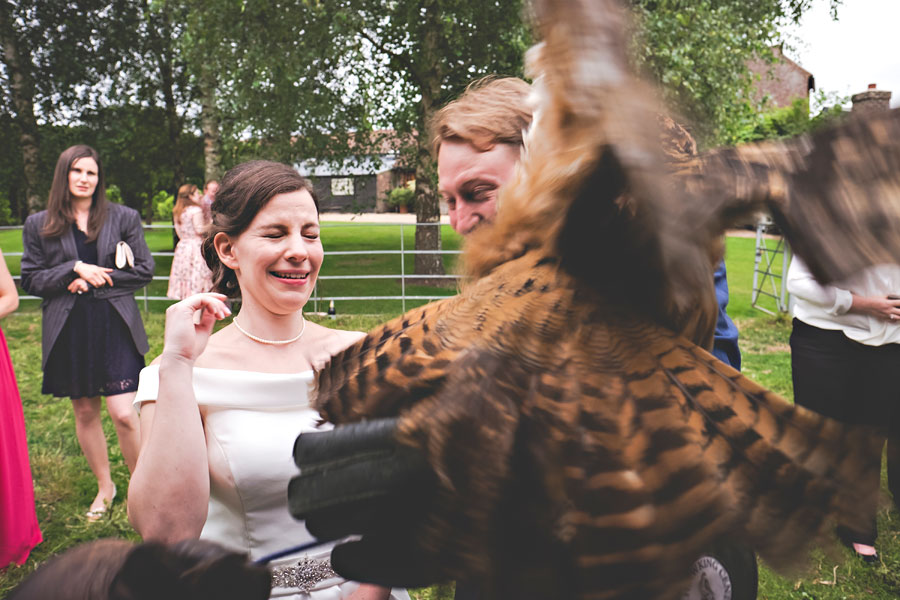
{"x": 93, "y": 339}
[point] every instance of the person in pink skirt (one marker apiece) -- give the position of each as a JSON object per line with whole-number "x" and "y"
{"x": 19, "y": 531}
{"x": 190, "y": 275}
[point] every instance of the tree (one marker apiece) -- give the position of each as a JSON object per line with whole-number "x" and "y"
{"x": 698, "y": 52}
{"x": 302, "y": 79}
{"x": 267, "y": 73}
{"x": 429, "y": 51}
{"x": 314, "y": 79}
{"x": 156, "y": 74}
{"x": 55, "y": 58}
{"x": 209, "y": 124}
{"x": 135, "y": 144}
{"x": 21, "y": 93}
{"x": 12, "y": 175}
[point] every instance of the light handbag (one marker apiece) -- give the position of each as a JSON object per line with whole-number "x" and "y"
{"x": 124, "y": 256}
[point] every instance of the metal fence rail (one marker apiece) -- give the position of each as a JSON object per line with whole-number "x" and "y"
{"x": 316, "y": 298}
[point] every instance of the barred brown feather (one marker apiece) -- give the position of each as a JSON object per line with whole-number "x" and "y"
{"x": 585, "y": 445}
{"x": 641, "y": 447}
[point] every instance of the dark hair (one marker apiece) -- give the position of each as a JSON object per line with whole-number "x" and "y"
{"x": 112, "y": 569}
{"x": 59, "y": 205}
{"x": 245, "y": 190}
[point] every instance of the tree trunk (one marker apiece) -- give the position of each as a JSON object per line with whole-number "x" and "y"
{"x": 209, "y": 124}
{"x": 428, "y": 237}
{"x": 23, "y": 99}
{"x": 160, "y": 30}
{"x": 172, "y": 120}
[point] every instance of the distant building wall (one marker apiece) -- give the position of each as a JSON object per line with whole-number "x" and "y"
{"x": 358, "y": 183}
{"x": 353, "y": 193}
{"x": 783, "y": 81}
{"x": 384, "y": 183}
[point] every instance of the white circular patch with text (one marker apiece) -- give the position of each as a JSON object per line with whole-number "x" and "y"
{"x": 709, "y": 581}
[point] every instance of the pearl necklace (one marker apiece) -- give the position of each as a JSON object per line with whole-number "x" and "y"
{"x": 270, "y": 342}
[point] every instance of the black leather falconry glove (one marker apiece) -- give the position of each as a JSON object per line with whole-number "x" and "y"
{"x": 357, "y": 480}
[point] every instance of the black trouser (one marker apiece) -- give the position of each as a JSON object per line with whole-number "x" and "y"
{"x": 467, "y": 590}
{"x": 853, "y": 383}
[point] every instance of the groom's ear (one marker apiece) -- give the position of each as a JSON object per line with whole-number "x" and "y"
{"x": 224, "y": 246}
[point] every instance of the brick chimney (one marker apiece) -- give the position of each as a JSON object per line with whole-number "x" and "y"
{"x": 872, "y": 100}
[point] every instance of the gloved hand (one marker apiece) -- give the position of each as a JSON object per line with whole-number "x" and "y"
{"x": 357, "y": 480}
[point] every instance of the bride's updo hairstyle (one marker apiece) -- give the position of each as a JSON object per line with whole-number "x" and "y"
{"x": 245, "y": 190}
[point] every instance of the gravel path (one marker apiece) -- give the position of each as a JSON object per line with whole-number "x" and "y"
{"x": 406, "y": 219}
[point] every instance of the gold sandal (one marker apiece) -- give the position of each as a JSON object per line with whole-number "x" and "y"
{"x": 95, "y": 514}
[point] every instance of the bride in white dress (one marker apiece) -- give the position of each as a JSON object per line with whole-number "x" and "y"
{"x": 220, "y": 413}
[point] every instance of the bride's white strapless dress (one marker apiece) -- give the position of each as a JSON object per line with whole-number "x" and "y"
{"x": 251, "y": 422}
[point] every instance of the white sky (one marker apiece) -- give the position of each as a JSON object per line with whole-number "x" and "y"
{"x": 848, "y": 54}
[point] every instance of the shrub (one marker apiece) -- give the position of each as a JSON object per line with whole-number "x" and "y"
{"x": 114, "y": 194}
{"x": 399, "y": 197}
{"x": 5, "y": 210}
{"x": 793, "y": 120}
{"x": 163, "y": 204}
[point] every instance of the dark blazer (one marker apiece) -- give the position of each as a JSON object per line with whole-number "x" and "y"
{"x": 47, "y": 269}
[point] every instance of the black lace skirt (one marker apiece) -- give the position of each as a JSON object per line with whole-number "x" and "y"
{"x": 94, "y": 354}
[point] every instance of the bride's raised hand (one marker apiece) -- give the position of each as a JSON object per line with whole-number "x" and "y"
{"x": 190, "y": 322}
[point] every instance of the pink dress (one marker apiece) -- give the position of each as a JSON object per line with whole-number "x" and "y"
{"x": 189, "y": 275}
{"x": 19, "y": 531}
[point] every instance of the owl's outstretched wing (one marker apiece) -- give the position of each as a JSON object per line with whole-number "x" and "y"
{"x": 835, "y": 194}
{"x": 574, "y": 438}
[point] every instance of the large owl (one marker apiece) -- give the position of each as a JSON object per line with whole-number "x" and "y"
{"x": 558, "y": 429}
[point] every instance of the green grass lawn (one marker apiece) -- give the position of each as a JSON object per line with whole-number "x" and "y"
{"x": 64, "y": 486}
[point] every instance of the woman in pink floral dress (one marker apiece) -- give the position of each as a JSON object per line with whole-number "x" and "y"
{"x": 189, "y": 275}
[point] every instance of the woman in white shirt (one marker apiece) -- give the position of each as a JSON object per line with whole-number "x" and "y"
{"x": 221, "y": 412}
{"x": 845, "y": 360}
